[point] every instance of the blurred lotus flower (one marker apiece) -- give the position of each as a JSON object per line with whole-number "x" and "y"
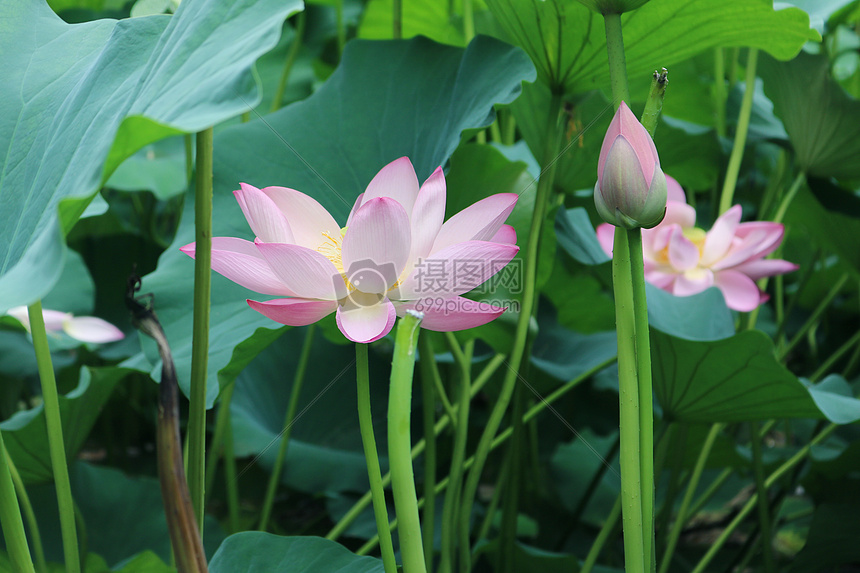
{"x": 82, "y": 328}
{"x": 394, "y": 254}
{"x": 683, "y": 259}
{"x": 631, "y": 188}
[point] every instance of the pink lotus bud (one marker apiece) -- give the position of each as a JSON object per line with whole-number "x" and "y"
{"x": 631, "y": 188}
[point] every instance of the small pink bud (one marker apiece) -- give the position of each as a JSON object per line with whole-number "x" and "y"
{"x": 631, "y": 188}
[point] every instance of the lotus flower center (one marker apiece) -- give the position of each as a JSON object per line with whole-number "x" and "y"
{"x": 331, "y": 248}
{"x": 696, "y": 236}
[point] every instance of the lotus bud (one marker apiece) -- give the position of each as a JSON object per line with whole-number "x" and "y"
{"x": 613, "y": 6}
{"x": 631, "y": 188}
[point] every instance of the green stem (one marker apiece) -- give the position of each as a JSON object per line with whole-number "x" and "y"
{"x": 654, "y": 103}
{"x": 27, "y": 509}
{"x": 720, "y": 92}
{"x": 629, "y": 407}
{"x": 55, "y": 438}
{"x": 374, "y": 474}
{"x": 200, "y": 332}
{"x": 292, "y": 406}
{"x": 498, "y": 490}
{"x": 508, "y": 529}
{"x": 602, "y": 537}
{"x": 617, "y": 59}
{"x": 429, "y": 372}
{"x": 468, "y": 21}
{"x": 752, "y": 501}
{"x": 10, "y": 517}
{"x": 677, "y": 447}
{"x": 763, "y": 501}
{"x": 681, "y": 518}
{"x": 816, "y": 314}
{"x": 498, "y": 441}
{"x": 455, "y": 476}
{"x": 646, "y": 400}
{"x": 831, "y": 360}
{"x": 400, "y": 443}
{"x": 789, "y": 197}
{"x": 737, "y": 155}
{"x": 397, "y": 19}
{"x": 292, "y": 54}
{"x": 216, "y": 448}
{"x": 341, "y": 26}
{"x": 232, "y": 482}
{"x": 360, "y": 505}
{"x": 709, "y": 492}
{"x": 545, "y": 186}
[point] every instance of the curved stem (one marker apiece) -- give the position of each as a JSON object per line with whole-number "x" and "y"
{"x": 10, "y": 518}
{"x": 737, "y": 155}
{"x": 292, "y": 54}
{"x": 789, "y": 197}
{"x": 200, "y": 333}
{"x": 292, "y": 406}
{"x": 400, "y": 443}
{"x": 528, "y": 305}
{"x": 374, "y": 474}
{"x": 628, "y": 396}
{"x": 56, "y": 446}
{"x": 602, "y": 537}
{"x": 27, "y": 510}
{"x": 763, "y": 501}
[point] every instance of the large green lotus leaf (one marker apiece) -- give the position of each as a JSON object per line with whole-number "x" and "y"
{"x": 421, "y": 17}
{"x": 26, "y": 435}
{"x": 566, "y": 354}
{"x": 738, "y": 379}
{"x": 574, "y": 464}
{"x": 822, "y": 121}
{"x": 325, "y": 452}
{"x": 833, "y": 535}
{"x": 386, "y": 100}
{"x": 253, "y": 551}
{"x": 81, "y": 98}
{"x": 567, "y": 41}
{"x": 124, "y": 517}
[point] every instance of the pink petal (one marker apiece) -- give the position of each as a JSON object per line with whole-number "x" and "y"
{"x": 606, "y": 237}
{"x": 624, "y": 124}
{"x": 675, "y": 191}
{"x": 719, "y": 239}
{"x": 505, "y": 234}
{"x": 692, "y": 283}
{"x": 456, "y": 269}
{"x": 477, "y": 222}
{"x": 355, "y": 208}
{"x": 241, "y": 262}
{"x": 428, "y": 214}
{"x": 677, "y": 214}
{"x": 752, "y": 241}
{"x": 451, "y": 314}
{"x": 54, "y": 319}
{"x": 740, "y": 292}
{"x": 760, "y": 268}
{"x": 377, "y": 245}
{"x": 92, "y": 329}
{"x": 396, "y": 180}
{"x": 294, "y": 311}
{"x": 683, "y": 254}
{"x": 308, "y": 220}
{"x": 303, "y": 271}
{"x": 661, "y": 280}
{"x": 365, "y": 323}
{"x": 266, "y": 220}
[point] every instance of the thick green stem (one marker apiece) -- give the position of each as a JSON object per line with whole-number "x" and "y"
{"x": 737, "y": 155}
{"x": 292, "y": 406}
{"x": 545, "y": 185}
{"x": 629, "y": 407}
{"x": 360, "y": 505}
{"x": 200, "y": 332}
{"x": 763, "y": 501}
{"x": 232, "y": 482}
{"x": 292, "y": 54}
{"x": 400, "y": 443}
{"x": 617, "y": 59}
{"x": 374, "y": 474}
{"x": 753, "y": 500}
{"x": 429, "y": 372}
{"x": 646, "y": 409}
{"x": 681, "y": 518}
{"x": 55, "y": 438}
{"x": 10, "y": 518}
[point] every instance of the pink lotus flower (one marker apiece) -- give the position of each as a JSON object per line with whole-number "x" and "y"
{"x": 394, "y": 254}
{"x": 82, "y": 328}
{"x": 631, "y": 188}
{"x": 683, "y": 259}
